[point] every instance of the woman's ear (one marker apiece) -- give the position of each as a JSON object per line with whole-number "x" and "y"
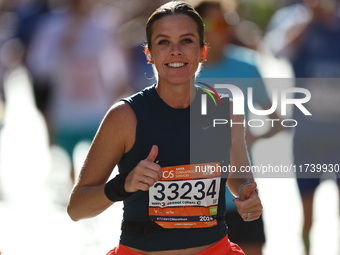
{"x": 148, "y": 55}
{"x": 204, "y": 53}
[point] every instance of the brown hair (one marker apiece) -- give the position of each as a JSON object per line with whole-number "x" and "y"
{"x": 172, "y": 8}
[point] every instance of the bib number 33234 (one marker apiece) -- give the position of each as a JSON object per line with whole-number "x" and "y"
{"x": 186, "y": 196}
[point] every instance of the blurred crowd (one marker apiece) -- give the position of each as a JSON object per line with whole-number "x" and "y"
{"x": 83, "y": 55}
{"x": 96, "y": 44}
{"x": 80, "y": 55}
{"x": 41, "y": 34}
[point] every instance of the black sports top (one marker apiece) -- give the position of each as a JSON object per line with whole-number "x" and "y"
{"x": 183, "y": 136}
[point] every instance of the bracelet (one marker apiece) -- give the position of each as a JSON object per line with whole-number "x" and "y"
{"x": 114, "y": 189}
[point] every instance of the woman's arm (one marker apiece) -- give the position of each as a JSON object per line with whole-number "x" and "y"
{"x": 238, "y": 154}
{"x": 114, "y": 137}
{"x": 241, "y": 183}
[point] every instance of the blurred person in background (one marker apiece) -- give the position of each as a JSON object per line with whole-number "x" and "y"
{"x": 11, "y": 56}
{"x": 308, "y": 35}
{"x": 227, "y": 60}
{"x": 76, "y": 55}
{"x": 8, "y": 28}
{"x": 29, "y": 15}
{"x": 132, "y": 34}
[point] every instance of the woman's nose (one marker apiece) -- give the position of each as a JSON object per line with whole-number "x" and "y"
{"x": 176, "y": 49}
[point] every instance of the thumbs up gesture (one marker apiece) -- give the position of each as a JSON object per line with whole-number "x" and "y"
{"x": 145, "y": 174}
{"x": 248, "y": 203}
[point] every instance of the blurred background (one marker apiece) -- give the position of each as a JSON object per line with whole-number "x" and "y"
{"x": 64, "y": 62}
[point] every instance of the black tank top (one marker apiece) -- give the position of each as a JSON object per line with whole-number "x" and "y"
{"x": 183, "y": 136}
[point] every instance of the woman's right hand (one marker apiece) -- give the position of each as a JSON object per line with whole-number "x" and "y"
{"x": 145, "y": 174}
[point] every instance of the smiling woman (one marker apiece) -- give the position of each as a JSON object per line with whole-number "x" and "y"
{"x": 168, "y": 207}
{"x": 177, "y": 51}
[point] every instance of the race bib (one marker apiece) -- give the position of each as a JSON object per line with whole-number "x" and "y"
{"x": 186, "y": 196}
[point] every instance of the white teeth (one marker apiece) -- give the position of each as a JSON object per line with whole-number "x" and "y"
{"x": 176, "y": 64}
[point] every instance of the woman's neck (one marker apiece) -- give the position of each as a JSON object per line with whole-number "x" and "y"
{"x": 178, "y": 96}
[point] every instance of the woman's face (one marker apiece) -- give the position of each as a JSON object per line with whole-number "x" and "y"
{"x": 176, "y": 51}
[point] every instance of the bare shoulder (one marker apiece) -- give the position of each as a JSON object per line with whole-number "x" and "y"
{"x": 120, "y": 111}
{"x": 121, "y": 121}
{"x": 114, "y": 137}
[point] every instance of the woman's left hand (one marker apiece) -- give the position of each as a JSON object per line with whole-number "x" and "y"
{"x": 249, "y": 205}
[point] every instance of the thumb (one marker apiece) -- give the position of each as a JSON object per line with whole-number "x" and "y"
{"x": 247, "y": 190}
{"x": 152, "y": 154}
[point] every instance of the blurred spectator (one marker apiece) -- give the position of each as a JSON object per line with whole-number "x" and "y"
{"x": 30, "y": 14}
{"x": 76, "y": 55}
{"x": 29, "y": 17}
{"x": 132, "y": 34}
{"x": 8, "y": 27}
{"x": 226, "y": 60}
{"x": 308, "y": 34}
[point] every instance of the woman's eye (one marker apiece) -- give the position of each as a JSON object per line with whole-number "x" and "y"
{"x": 187, "y": 40}
{"x": 163, "y": 42}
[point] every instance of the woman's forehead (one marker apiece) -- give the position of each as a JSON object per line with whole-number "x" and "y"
{"x": 179, "y": 23}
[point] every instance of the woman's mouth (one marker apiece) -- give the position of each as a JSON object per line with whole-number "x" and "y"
{"x": 176, "y": 65}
